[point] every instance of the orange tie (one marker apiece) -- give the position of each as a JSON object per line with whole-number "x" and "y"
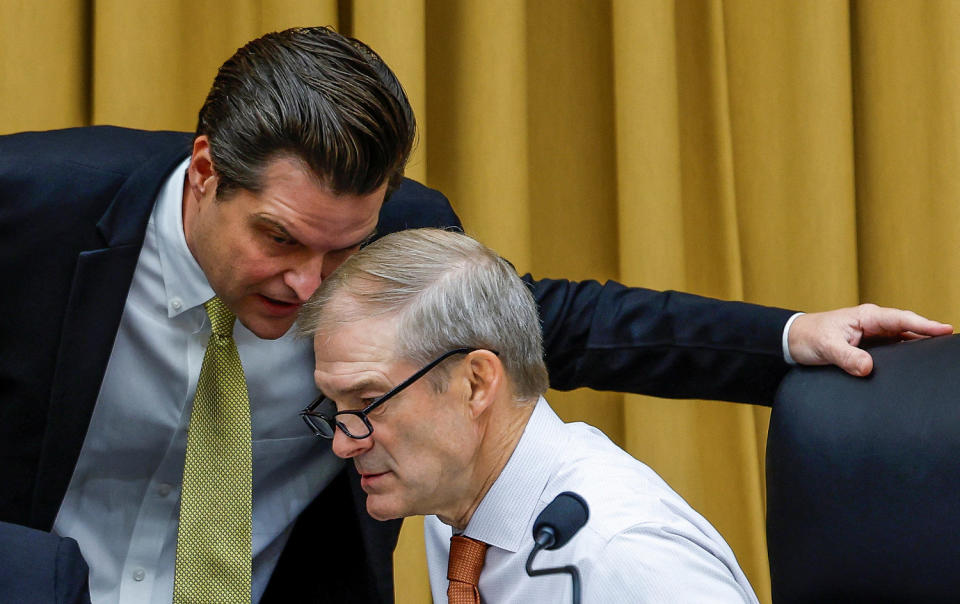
{"x": 463, "y": 570}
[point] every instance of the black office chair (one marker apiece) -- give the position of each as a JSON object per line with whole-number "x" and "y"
{"x": 863, "y": 480}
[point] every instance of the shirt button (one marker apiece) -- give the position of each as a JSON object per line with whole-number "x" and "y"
{"x": 164, "y": 489}
{"x": 139, "y": 574}
{"x": 176, "y": 303}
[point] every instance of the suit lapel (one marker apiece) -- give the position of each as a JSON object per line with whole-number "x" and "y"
{"x": 98, "y": 293}
{"x": 336, "y": 552}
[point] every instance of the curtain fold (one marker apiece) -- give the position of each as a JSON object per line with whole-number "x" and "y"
{"x": 799, "y": 154}
{"x": 44, "y": 64}
{"x": 907, "y": 124}
{"x": 477, "y": 118}
{"x": 153, "y": 62}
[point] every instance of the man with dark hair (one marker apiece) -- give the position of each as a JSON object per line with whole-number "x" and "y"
{"x": 127, "y": 252}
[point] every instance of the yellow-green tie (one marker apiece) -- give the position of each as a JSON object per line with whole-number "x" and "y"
{"x": 213, "y": 539}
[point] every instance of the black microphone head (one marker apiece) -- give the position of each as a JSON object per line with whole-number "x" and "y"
{"x": 565, "y": 515}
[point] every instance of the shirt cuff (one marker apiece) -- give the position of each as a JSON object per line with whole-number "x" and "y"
{"x": 786, "y": 340}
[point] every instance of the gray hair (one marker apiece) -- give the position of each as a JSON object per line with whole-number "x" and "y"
{"x": 446, "y": 290}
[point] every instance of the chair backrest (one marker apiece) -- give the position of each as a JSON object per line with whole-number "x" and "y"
{"x": 863, "y": 479}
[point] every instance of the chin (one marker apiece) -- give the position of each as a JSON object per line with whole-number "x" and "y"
{"x": 383, "y": 516}
{"x": 267, "y": 330}
{"x": 383, "y": 513}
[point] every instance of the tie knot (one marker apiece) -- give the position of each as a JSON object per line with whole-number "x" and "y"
{"x": 466, "y": 559}
{"x": 221, "y": 319}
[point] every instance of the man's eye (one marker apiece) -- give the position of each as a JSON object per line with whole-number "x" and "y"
{"x": 282, "y": 239}
{"x": 378, "y": 411}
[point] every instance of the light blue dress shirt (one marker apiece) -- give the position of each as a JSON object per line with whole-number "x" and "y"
{"x": 123, "y": 501}
{"x": 642, "y": 542}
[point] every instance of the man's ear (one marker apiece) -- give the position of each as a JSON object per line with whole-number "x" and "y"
{"x": 201, "y": 173}
{"x": 486, "y": 377}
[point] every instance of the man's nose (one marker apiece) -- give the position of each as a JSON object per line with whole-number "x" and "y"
{"x": 305, "y": 277}
{"x": 346, "y": 447}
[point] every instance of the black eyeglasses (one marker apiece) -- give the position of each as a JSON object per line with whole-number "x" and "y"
{"x": 323, "y": 418}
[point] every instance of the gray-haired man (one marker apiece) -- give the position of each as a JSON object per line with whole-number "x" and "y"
{"x": 428, "y": 346}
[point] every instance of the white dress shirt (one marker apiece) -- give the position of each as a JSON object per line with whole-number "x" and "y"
{"x": 642, "y": 542}
{"x": 123, "y": 501}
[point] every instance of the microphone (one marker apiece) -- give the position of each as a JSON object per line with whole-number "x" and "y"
{"x": 557, "y": 524}
{"x": 560, "y": 520}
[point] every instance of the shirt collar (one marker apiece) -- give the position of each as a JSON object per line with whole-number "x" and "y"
{"x": 185, "y": 286}
{"x": 505, "y": 513}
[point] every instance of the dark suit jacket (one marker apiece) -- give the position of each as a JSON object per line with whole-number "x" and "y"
{"x": 40, "y": 568}
{"x": 74, "y": 206}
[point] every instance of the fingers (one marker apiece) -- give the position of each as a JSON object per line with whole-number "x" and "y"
{"x": 892, "y": 322}
{"x": 838, "y": 346}
{"x": 855, "y": 361}
{"x": 832, "y": 337}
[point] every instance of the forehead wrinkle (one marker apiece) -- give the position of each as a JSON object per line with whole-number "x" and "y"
{"x": 344, "y": 377}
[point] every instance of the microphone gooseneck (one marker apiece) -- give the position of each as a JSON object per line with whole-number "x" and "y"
{"x": 557, "y": 524}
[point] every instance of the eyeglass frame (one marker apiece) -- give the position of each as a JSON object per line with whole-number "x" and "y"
{"x": 332, "y": 422}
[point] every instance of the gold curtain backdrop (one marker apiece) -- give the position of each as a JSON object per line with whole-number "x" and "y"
{"x": 799, "y": 154}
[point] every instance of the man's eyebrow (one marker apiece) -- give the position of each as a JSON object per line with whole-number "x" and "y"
{"x": 359, "y": 386}
{"x": 364, "y": 384}
{"x": 283, "y": 230}
{"x": 273, "y": 223}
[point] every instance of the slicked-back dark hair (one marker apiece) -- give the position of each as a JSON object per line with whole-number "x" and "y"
{"x": 313, "y": 94}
